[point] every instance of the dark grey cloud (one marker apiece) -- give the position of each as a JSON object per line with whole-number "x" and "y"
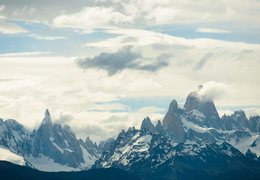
{"x": 124, "y": 58}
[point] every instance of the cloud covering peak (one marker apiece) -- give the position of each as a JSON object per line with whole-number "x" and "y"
{"x": 213, "y": 90}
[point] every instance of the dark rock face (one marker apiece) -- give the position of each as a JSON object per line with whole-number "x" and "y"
{"x": 172, "y": 121}
{"x": 207, "y": 108}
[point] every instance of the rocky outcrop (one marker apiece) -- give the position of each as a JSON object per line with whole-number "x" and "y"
{"x": 172, "y": 121}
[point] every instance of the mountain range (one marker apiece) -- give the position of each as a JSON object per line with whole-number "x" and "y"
{"x": 190, "y": 142}
{"x": 49, "y": 148}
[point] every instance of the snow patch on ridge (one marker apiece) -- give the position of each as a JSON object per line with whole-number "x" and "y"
{"x": 58, "y": 147}
{"x": 143, "y": 143}
{"x": 195, "y": 127}
{"x": 136, "y": 148}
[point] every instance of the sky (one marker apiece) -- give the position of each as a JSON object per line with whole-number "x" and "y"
{"x": 101, "y": 66}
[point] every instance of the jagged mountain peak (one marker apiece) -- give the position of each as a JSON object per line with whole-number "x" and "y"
{"x": 122, "y": 133}
{"x": 12, "y": 123}
{"x": 87, "y": 139}
{"x": 198, "y": 95}
{"x": 174, "y": 105}
{"x": 194, "y": 102}
{"x": 47, "y": 113}
{"x": 47, "y": 118}
{"x": 159, "y": 124}
{"x": 89, "y": 142}
{"x": 200, "y": 87}
{"x": 172, "y": 121}
{"x": 240, "y": 113}
{"x": 147, "y": 125}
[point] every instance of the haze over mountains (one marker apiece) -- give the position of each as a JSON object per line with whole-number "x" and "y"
{"x": 188, "y": 141}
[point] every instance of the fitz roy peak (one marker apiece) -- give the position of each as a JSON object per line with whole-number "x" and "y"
{"x": 192, "y": 142}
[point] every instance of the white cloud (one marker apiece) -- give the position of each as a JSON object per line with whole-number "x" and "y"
{"x": 108, "y": 107}
{"x": 51, "y": 38}
{"x": 213, "y": 90}
{"x": 25, "y": 10}
{"x": 107, "y": 14}
{"x": 22, "y": 54}
{"x": 135, "y": 37}
{"x": 150, "y": 110}
{"x": 209, "y": 30}
{"x": 92, "y": 17}
{"x": 84, "y": 31}
{"x": 11, "y": 28}
{"x": 132, "y": 13}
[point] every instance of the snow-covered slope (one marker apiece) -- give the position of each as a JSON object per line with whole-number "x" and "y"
{"x": 7, "y": 155}
{"x": 47, "y": 164}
